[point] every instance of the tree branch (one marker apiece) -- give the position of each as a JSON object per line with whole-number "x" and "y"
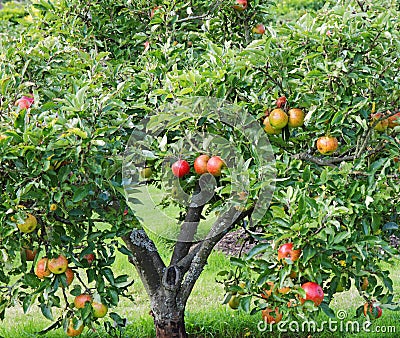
{"x": 146, "y": 259}
{"x": 219, "y": 229}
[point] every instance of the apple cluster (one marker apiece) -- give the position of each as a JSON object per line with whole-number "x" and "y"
{"x": 313, "y": 291}
{"x": 280, "y": 117}
{"x": 57, "y": 266}
{"x": 202, "y": 164}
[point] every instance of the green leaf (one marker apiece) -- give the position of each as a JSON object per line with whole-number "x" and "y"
{"x": 46, "y": 311}
{"x": 255, "y": 250}
{"x": 328, "y": 311}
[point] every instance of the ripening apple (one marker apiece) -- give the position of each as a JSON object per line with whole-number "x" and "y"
{"x": 180, "y": 168}
{"x": 374, "y": 312}
{"x": 58, "y": 265}
{"x": 71, "y": 332}
{"x": 286, "y": 251}
{"x": 394, "y": 120}
{"x": 200, "y": 164}
{"x": 313, "y": 292}
{"x": 81, "y": 300}
{"x": 269, "y": 129}
{"x": 259, "y": 29}
{"x": 327, "y": 145}
{"x": 24, "y": 102}
{"x": 296, "y": 117}
{"x": 382, "y": 124}
{"x": 69, "y": 275}
{"x": 41, "y": 269}
{"x": 29, "y": 224}
{"x": 153, "y": 11}
{"x": 278, "y": 118}
{"x": 240, "y": 5}
{"x": 215, "y": 165}
{"x": 99, "y": 310}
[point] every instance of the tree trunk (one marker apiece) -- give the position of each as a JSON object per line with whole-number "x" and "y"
{"x": 170, "y": 325}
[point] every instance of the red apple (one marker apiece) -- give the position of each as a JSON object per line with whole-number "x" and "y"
{"x": 42, "y": 269}
{"x": 24, "y": 102}
{"x": 153, "y": 11}
{"x": 81, "y": 300}
{"x": 286, "y": 251}
{"x": 99, "y": 310}
{"x": 215, "y": 165}
{"x": 394, "y": 120}
{"x": 240, "y": 5}
{"x": 382, "y": 124}
{"x": 259, "y": 29}
{"x": 374, "y": 312}
{"x": 180, "y": 168}
{"x": 58, "y": 265}
{"x": 313, "y": 292}
{"x": 90, "y": 257}
{"x": 281, "y": 101}
{"x": 30, "y": 254}
{"x": 69, "y": 274}
{"x": 146, "y": 46}
{"x": 200, "y": 164}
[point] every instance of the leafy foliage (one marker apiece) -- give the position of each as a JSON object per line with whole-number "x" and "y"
{"x": 93, "y": 80}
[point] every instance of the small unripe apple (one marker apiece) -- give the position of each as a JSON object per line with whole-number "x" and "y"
{"x": 146, "y": 172}
{"x": 29, "y": 224}
{"x": 58, "y": 265}
{"x": 180, "y": 168}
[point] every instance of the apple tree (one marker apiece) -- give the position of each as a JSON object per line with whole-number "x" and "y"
{"x": 87, "y": 108}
